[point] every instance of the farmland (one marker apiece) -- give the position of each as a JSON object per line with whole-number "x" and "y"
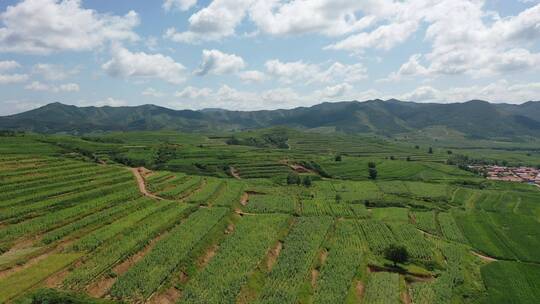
{"x": 251, "y": 217}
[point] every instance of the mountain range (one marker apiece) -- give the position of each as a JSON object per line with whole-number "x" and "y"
{"x": 473, "y": 118}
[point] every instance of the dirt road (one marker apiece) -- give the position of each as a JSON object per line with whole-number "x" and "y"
{"x": 142, "y": 184}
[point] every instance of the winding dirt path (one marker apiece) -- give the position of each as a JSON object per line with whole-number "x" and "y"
{"x": 235, "y": 173}
{"x": 484, "y": 257}
{"x": 138, "y": 173}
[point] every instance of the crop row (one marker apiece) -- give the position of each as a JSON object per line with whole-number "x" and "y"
{"x": 146, "y": 276}
{"x": 221, "y": 280}
{"x": 294, "y": 262}
{"x": 344, "y": 258}
{"x": 73, "y": 193}
{"x": 53, "y": 220}
{"x": 126, "y": 243}
{"x": 382, "y": 288}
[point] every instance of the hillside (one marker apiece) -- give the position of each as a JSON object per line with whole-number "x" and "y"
{"x": 476, "y": 119}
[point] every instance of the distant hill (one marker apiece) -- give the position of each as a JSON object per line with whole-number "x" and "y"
{"x": 474, "y": 118}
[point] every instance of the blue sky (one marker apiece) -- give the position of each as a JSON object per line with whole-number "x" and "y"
{"x": 266, "y": 54}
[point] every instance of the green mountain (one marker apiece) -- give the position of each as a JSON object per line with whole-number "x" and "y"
{"x": 474, "y": 118}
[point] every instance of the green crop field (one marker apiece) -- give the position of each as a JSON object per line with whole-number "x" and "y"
{"x": 170, "y": 217}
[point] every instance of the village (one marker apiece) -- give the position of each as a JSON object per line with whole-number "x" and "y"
{"x": 512, "y": 174}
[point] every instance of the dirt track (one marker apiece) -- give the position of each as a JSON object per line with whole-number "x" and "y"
{"x": 137, "y": 172}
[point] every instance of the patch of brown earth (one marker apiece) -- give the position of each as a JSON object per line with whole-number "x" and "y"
{"x": 100, "y": 288}
{"x": 359, "y": 289}
{"x": 405, "y": 297}
{"x": 56, "y": 279}
{"x": 323, "y": 256}
{"x": 245, "y": 199}
{"x": 138, "y": 173}
{"x": 412, "y": 218}
{"x": 314, "y": 277}
{"x": 170, "y": 296}
{"x": 234, "y": 173}
{"x": 273, "y": 254}
{"x": 207, "y": 256}
{"x": 484, "y": 258}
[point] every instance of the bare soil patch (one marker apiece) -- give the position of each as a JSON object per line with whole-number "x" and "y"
{"x": 359, "y": 289}
{"x": 273, "y": 254}
{"x": 139, "y": 175}
{"x": 405, "y": 297}
{"x": 207, "y": 256}
{"x": 484, "y": 258}
{"x": 170, "y": 296}
{"x": 235, "y": 173}
{"x": 245, "y": 199}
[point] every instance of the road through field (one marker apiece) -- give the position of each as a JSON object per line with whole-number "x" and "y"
{"x": 142, "y": 185}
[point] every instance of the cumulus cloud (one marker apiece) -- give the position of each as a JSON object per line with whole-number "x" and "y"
{"x": 127, "y": 64}
{"x": 182, "y": 5}
{"x": 45, "y": 26}
{"x": 465, "y": 39}
{"x": 218, "y": 20}
{"x": 252, "y": 76}
{"x": 194, "y": 93}
{"x": 13, "y": 78}
{"x": 298, "y": 71}
{"x": 219, "y": 63}
{"x": 38, "y": 86}
{"x": 338, "y": 90}
{"x": 152, "y": 92}
{"x": 384, "y": 37}
{"x": 328, "y": 17}
{"x": 499, "y": 91}
{"x": 9, "y": 65}
{"x": 53, "y": 72}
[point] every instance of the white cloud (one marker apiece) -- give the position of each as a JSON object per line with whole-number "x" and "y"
{"x": 53, "y": 72}
{"x": 384, "y": 37}
{"x": 45, "y": 26}
{"x": 13, "y": 78}
{"x": 468, "y": 40}
{"x": 500, "y": 91}
{"x": 182, "y": 5}
{"x": 152, "y": 92}
{"x": 111, "y": 102}
{"x": 216, "y": 21}
{"x": 329, "y": 17}
{"x": 219, "y": 63}
{"x": 334, "y": 91}
{"x": 252, "y": 76}
{"x": 194, "y": 93}
{"x": 127, "y": 64}
{"x": 38, "y": 86}
{"x": 9, "y": 65}
{"x": 298, "y": 71}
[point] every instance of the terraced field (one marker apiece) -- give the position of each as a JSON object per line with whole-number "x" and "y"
{"x": 75, "y": 224}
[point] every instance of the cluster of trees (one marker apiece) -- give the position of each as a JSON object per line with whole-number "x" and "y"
{"x": 9, "y": 133}
{"x": 372, "y": 170}
{"x": 296, "y": 179}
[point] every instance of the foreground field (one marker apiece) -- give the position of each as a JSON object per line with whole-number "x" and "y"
{"x": 78, "y": 224}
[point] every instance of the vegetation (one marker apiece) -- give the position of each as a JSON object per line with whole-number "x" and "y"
{"x": 238, "y": 217}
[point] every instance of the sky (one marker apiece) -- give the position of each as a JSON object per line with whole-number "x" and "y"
{"x": 266, "y": 54}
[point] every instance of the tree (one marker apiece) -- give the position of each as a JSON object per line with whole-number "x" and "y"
{"x": 338, "y": 198}
{"x": 293, "y": 179}
{"x": 430, "y": 151}
{"x": 449, "y": 152}
{"x": 373, "y": 173}
{"x": 371, "y": 165}
{"x": 392, "y": 157}
{"x": 338, "y": 157}
{"x": 408, "y": 158}
{"x": 396, "y": 254}
{"x": 417, "y": 147}
{"x": 307, "y": 181}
